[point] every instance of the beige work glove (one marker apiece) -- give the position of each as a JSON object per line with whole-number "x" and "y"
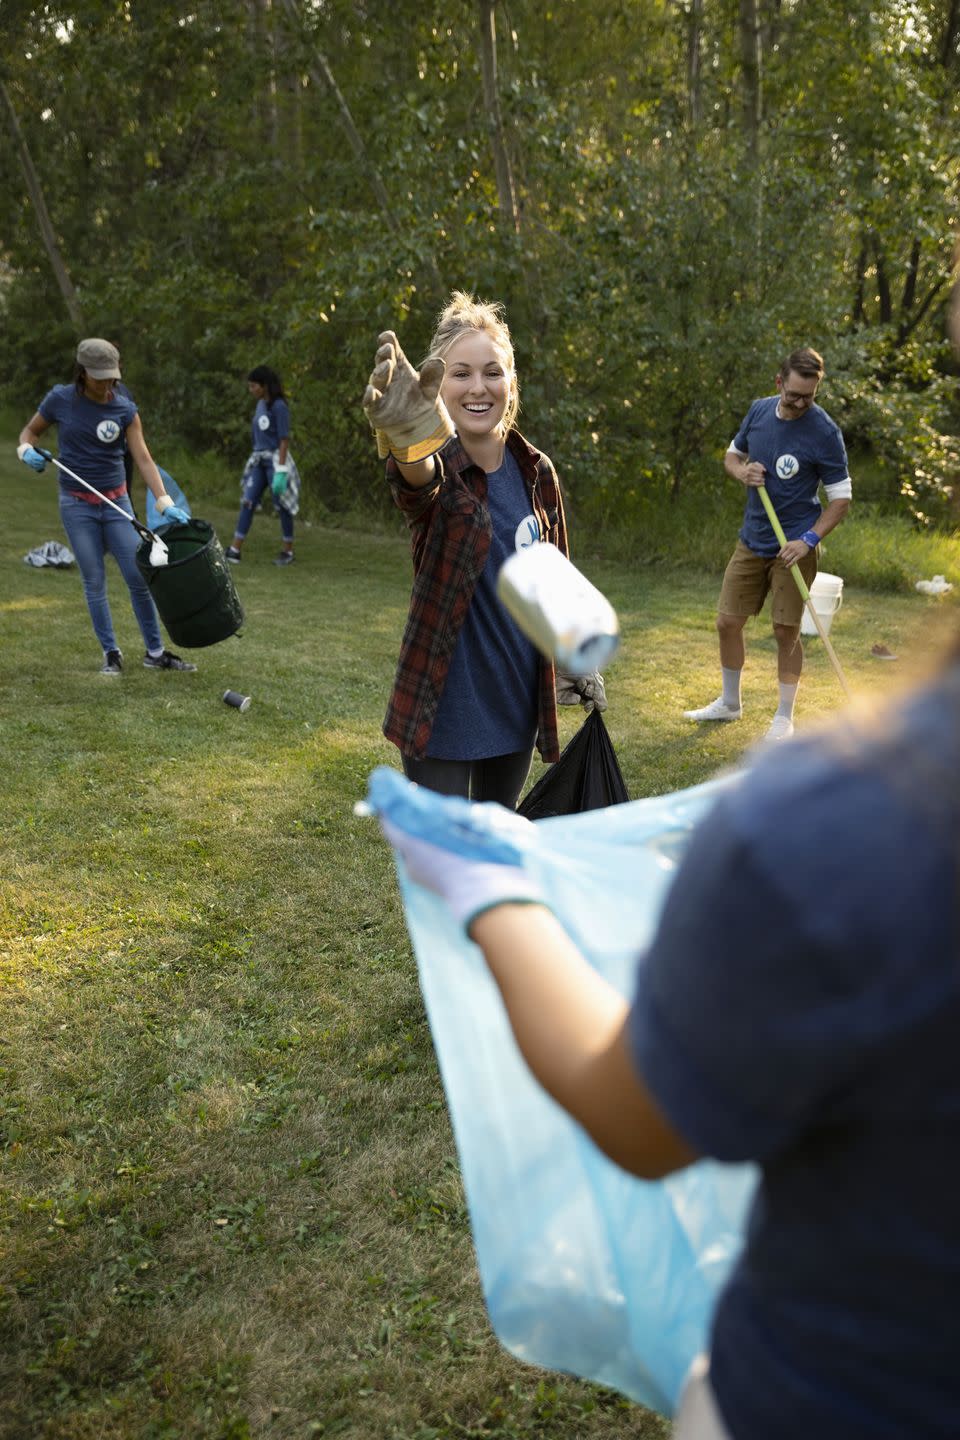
{"x": 405, "y": 410}
{"x": 585, "y": 690}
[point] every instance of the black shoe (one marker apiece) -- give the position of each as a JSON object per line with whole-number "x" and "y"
{"x": 232, "y": 554}
{"x": 112, "y": 663}
{"x": 284, "y": 558}
{"x": 166, "y": 661}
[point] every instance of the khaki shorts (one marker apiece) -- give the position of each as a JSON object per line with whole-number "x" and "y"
{"x": 698, "y": 1417}
{"x": 749, "y": 578}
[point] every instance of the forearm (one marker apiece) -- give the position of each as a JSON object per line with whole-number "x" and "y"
{"x": 561, "y": 1010}
{"x": 569, "y": 1024}
{"x": 31, "y": 432}
{"x": 421, "y": 473}
{"x": 735, "y": 465}
{"x": 151, "y": 475}
{"x": 282, "y": 450}
{"x": 833, "y": 513}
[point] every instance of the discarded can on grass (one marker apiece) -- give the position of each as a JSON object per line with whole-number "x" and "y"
{"x": 238, "y": 701}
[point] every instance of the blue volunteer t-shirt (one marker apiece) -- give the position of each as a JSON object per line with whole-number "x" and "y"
{"x": 90, "y": 437}
{"x": 489, "y": 702}
{"x": 800, "y": 1006}
{"x": 798, "y": 455}
{"x": 271, "y": 424}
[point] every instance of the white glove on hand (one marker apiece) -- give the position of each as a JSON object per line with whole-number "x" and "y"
{"x": 469, "y": 887}
{"x": 404, "y": 408}
{"x": 585, "y": 690}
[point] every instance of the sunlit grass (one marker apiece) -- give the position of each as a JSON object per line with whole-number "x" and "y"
{"x": 229, "y": 1198}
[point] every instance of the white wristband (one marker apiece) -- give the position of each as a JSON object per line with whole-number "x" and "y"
{"x": 163, "y": 503}
{"x": 22, "y": 450}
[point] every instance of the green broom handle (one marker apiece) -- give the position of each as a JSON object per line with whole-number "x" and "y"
{"x": 803, "y": 588}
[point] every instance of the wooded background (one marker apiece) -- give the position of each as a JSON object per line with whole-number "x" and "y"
{"x": 667, "y": 196}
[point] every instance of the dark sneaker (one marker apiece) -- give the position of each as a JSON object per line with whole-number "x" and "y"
{"x": 166, "y": 661}
{"x": 232, "y": 554}
{"x": 112, "y": 663}
{"x": 284, "y": 558}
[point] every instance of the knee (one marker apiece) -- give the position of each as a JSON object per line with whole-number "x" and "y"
{"x": 787, "y": 636}
{"x": 730, "y": 624}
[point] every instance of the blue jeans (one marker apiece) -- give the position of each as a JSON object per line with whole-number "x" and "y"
{"x": 93, "y": 531}
{"x": 256, "y": 482}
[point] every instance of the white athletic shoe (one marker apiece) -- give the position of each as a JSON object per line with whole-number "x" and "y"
{"x": 717, "y": 710}
{"x": 780, "y": 728}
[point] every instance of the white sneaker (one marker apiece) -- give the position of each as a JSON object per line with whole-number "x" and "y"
{"x": 780, "y": 728}
{"x": 717, "y": 710}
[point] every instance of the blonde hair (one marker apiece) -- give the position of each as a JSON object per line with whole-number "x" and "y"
{"x": 465, "y": 315}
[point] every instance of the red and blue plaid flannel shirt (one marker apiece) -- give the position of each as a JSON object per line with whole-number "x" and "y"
{"x": 450, "y": 532}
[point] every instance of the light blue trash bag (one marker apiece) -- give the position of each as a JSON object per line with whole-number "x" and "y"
{"x": 584, "y": 1268}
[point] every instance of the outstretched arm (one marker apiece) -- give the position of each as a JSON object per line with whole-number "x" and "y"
{"x": 570, "y": 1026}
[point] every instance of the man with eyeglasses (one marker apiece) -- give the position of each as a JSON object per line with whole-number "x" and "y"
{"x": 790, "y": 445}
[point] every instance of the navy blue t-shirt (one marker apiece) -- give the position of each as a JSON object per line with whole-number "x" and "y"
{"x": 800, "y": 1007}
{"x": 798, "y": 455}
{"x": 270, "y": 424}
{"x": 489, "y": 702}
{"x": 90, "y": 437}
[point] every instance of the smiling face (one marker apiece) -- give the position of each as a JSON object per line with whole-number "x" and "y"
{"x": 477, "y": 385}
{"x": 797, "y": 393}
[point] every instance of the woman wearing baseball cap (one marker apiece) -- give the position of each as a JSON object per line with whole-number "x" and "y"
{"x": 97, "y": 421}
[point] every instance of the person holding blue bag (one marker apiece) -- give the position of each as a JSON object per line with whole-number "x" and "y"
{"x": 798, "y": 1007}
{"x": 97, "y": 423}
{"x": 270, "y": 466}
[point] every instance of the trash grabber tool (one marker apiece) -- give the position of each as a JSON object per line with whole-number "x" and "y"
{"x": 159, "y": 554}
{"x": 804, "y": 590}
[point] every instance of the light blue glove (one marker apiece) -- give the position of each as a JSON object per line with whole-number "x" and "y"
{"x": 469, "y": 855}
{"x": 469, "y": 887}
{"x": 32, "y": 457}
{"x": 173, "y": 515}
{"x": 279, "y": 482}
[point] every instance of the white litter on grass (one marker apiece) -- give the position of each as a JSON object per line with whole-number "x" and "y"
{"x": 937, "y": 586}
{"x": 51, "y": 553}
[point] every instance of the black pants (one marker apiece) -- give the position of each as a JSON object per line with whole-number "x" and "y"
{"x": 500, "y": 778}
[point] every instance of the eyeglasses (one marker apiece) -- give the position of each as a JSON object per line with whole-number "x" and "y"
{"x": 798, "y": 397}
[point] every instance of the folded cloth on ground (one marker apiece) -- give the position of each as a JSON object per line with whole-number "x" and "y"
{"x": 50, "y": 553}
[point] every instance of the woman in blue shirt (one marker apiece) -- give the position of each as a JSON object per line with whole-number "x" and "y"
{"x": 270, "y": 464}
{"x": 97, "y": 422}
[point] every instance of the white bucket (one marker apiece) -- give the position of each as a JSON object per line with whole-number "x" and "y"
{"x": 826, "y": 592}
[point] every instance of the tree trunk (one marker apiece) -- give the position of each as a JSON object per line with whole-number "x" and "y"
{"x": 694, "y": 61}
{"x": 43, "y": 217}
{"x": 323, "y": 75}
{"x": 749, "y": 26}
{"x": 883, "y": 284}
{"x": 506, "y": 193}
{"x": 950, "y": 41}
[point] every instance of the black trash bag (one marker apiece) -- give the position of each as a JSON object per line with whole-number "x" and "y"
{"x": 194, "y": 591}
{"x": 586, "y": 777}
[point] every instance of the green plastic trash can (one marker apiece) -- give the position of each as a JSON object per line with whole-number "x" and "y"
{"x": 194, "y": 592}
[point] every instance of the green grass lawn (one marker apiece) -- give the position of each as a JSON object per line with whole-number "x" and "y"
{"x": 230, "y": 1202}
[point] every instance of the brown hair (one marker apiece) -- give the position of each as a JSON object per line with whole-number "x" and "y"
{"x": 804, "y": 362}
{"x": 465, "y": 315}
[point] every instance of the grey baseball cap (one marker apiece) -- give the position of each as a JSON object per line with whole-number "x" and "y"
{"x": 99, "y": 359}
